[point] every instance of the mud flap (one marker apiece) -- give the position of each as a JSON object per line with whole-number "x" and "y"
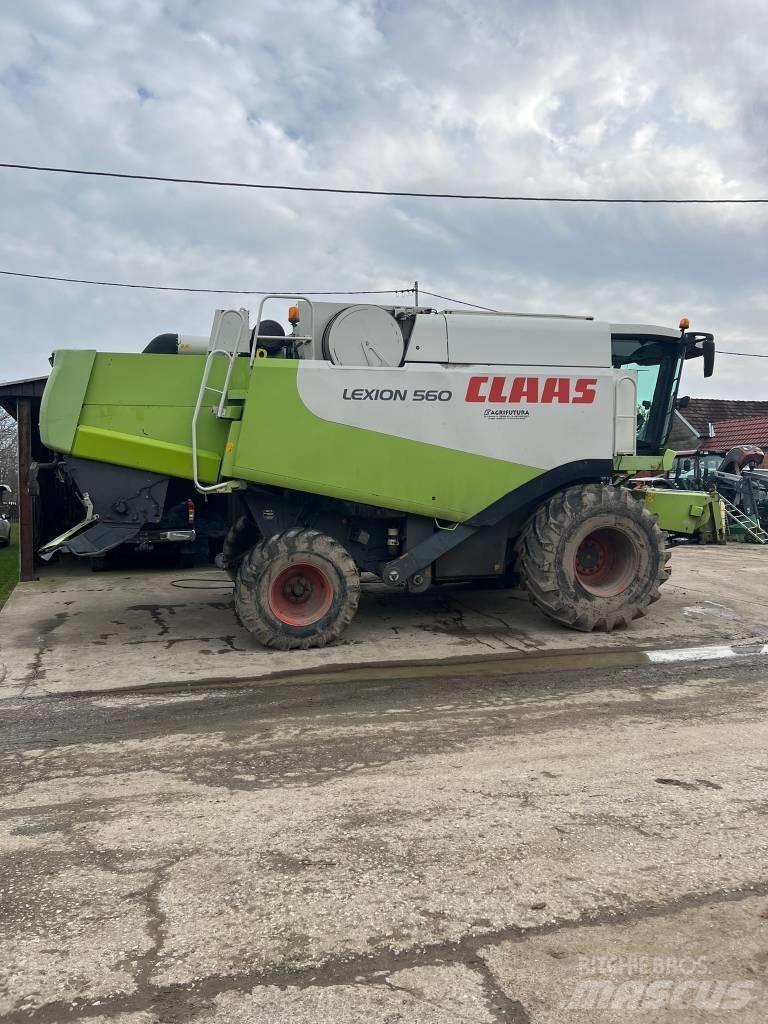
{"x": 90, "y": 538}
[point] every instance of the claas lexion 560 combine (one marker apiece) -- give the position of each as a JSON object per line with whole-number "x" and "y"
{"x": 424, "y": 447}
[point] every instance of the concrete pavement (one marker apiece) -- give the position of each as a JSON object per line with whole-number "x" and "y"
{"x": 470, "y": 849}
{"x": 73, "y": 633}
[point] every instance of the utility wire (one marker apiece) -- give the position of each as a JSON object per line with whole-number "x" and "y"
{"x": 237, "y": 291}
{"x": 207, "y": 291}
{"x": 461, "y": 302}
{"x": 380, "y": 192}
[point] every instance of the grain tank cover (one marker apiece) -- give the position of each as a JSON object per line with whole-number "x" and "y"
{"x": 513, "y": 339}
{"x": 363, "y": 335}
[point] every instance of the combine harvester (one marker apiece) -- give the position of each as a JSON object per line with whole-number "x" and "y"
{"x": 424, "y": 447}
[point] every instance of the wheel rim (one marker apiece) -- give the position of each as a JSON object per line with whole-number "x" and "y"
{"x": 607, "y": 560}
{"x": 300, "y": 595}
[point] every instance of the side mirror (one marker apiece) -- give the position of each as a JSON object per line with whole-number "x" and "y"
{"x": 708, "y": 348}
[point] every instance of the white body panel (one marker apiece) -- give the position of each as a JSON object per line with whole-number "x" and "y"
{"x": 541, "y": 416}
{"x": 193, "y": 344}
{"x": 230, "y": 331}
{"x": 429, "y": 340}
{"x": 638, "y": 330}
{"x": 532, "y": 341}
{"x": 545, "y": 392}
{"x": 625, "y": 420}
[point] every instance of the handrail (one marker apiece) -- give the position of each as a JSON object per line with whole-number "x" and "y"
{"x": 298, "y": 298}
{"x": 204, "y": 386}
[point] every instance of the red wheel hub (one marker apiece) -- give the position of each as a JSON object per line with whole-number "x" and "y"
{"x": 607, "y": 560}
{"x": 300, "y": 595}
{"x": 592, "y": 557}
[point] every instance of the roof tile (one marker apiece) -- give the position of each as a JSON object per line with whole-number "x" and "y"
{"x": 740, "y": 430}
{"x": 700, "y": 412}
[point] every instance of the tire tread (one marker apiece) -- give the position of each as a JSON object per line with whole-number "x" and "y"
{"x": 537, "y": 553}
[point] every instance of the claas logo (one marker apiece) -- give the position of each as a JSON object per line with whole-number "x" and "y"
{"x": 532, "y": 390}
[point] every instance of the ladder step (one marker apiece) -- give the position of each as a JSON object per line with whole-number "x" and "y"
{"x": 750, "y": 526}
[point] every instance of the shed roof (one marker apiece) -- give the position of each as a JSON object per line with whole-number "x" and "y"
{"x": 31, "y": 387}
{"x": 700, "y": 412}
{"x": 741, "y": 430}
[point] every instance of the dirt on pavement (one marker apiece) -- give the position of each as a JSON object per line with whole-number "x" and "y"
{"x": 467, "y": 849}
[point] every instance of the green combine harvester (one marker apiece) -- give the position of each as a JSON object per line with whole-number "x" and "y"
{"x": 424, "y": 447}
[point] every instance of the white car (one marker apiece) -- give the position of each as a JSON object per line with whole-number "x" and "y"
{"x": 5, "y": 526}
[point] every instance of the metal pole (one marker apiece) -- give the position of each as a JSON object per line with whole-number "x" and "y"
{"x": 26, "y": 519}
{"x": 416, "y": 293}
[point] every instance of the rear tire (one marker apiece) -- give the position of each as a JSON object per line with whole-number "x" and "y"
{"x": 296, "y": 590}
{"x": 593, "y": 558}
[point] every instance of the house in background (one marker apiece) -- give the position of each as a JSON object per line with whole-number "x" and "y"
{"x": 718, "y": 424}
{"x": 729, "y": 433}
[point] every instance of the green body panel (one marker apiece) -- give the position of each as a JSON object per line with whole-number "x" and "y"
{"x": 157, "y": 456}
{"x": 661, "y": 463}
{"x": 281, "y": 442}
{"x": 687, "y": 512}
{"x": 136, "y": 410}
{"x": 63, "y": 399}
{"x": 229, "y": 450}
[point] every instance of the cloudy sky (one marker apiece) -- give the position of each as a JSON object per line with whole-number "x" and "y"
{"x": 659, "y": 99}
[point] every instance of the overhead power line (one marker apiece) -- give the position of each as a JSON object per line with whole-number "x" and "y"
{"x": 461, "y": 302}
{"x": 288, "y": 291}
{"x": 205, "y": 291}
{"x": 235, "y": 291}
{"x": 382, "y": 192}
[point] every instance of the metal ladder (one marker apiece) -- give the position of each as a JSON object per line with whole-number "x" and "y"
{"x": 733, "y": 514}
{"x": 230, "y": 330}
{"x": 226, "y": 335}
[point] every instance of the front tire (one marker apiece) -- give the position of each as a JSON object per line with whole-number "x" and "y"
{"x": 297, "y": 590}
{"x": 593, "y": 558}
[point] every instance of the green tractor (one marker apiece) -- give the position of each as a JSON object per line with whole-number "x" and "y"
{"x": 426, "y": 447}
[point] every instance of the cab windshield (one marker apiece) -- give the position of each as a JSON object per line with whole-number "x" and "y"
{"x": 658, "y": 362}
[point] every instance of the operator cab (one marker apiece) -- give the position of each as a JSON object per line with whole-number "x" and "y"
{"x": 695, "y": 470}
{"x": 657, "y": 355}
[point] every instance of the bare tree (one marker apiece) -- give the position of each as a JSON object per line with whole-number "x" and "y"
{"x": 8, "y": 453}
